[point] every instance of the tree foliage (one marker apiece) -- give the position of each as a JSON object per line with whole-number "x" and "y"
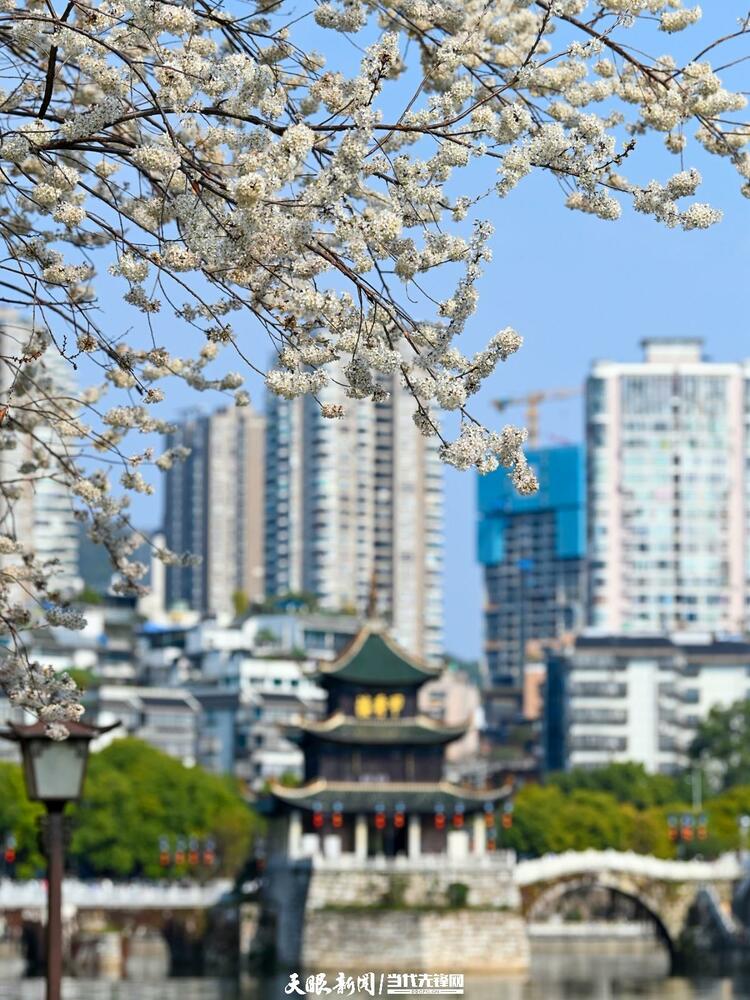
{"x": 19, "y": 819}
{"x": 621, "y": 807}
{"x": 627, "y": 782}
{"x": 236, "y": 169}
{"x": 134, "y": 795}
{"x": 722, "y": 745}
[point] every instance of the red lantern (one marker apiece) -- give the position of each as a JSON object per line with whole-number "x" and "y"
{"x": 507, "y": 819}
{"x": 337, "y": 818}
{"x": 10, "y": 849}
{"x": 179, "y": 853}
{"x": 209, "y": 853}
{"x": 458, "y": 820}
{"x": 439, "y": 817}
{"x": 317, "y": 820}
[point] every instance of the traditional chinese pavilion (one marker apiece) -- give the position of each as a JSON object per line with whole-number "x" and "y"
{"x": 373, "y": 782}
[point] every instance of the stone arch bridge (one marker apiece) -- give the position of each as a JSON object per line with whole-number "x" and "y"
{"x": 674, "y": 894}
{"x": 104, "y": 920}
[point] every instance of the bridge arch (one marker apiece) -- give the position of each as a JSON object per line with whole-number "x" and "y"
{"x": 541, "y": 898}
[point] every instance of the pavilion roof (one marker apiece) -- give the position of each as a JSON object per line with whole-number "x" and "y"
{"x": 416, "y": 729}
{"x": 374, "y": 659}
{"x": 365, "y": 797}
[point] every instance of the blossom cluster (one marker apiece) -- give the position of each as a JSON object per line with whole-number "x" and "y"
{"x": 216, "y": 169}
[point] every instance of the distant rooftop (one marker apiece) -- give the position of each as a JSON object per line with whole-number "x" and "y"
{"x": 672, "y": 349}
{"x": 692, "y": 645}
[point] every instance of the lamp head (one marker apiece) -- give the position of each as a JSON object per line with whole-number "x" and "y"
{"x": 54, "y": 770}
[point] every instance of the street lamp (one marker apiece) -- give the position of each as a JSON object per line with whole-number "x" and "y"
{"x": 54, "y": 772}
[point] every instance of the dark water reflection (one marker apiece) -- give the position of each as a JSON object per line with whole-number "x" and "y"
{"x": 570, "y": 971}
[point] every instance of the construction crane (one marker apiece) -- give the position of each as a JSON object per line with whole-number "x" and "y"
{"x": 532, "y": 402}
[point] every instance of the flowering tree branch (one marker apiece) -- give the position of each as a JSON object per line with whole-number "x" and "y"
{"x": 215, "y": 165}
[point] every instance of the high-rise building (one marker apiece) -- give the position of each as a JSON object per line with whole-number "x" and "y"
{"x": 668, "y": 491}
{"x": 533, "y": 551}
{"x": 214, "y": 509}
{"x": 354, "y": 508}
{"x": 42, "y": 515}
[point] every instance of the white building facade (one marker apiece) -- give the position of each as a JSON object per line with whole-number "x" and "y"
{"x": 668, "y": 492}
{"x": 638, "y": 698}
{"x": 354, "y": 505}
{"x": 42, "y": 517}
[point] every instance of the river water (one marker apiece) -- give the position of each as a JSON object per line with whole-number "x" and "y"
{"x": 578, "y": 970}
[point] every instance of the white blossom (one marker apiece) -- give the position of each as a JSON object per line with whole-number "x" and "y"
{"x": 246, "y": 191}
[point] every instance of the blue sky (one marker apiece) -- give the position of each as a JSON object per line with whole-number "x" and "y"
{"x": 578, "y": 288}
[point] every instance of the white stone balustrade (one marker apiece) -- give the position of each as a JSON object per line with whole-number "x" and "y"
{"x": 553, "y": 866}
{"x": 108, "y": 895}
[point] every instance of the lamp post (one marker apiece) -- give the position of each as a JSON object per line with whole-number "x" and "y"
{"x": 54, "y": 772}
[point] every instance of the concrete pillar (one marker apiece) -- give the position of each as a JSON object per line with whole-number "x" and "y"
{"x": 458, "y": 845}
{"x": 480, "y": 834}
{"x": 360, "y": 837}
{"x": 414, "y": 838}
{"x": 332, "y": 845}
{"x": 294, "y": 835}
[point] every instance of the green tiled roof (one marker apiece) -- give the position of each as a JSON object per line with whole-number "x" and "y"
{"x": 375, "y": 660}
{"x": 364, "y": 797}
{"x": 418, "y": 730}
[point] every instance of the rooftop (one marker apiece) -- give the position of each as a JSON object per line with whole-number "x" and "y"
{"x": 373, "y": 659}
{"x": 697, "y": 646}
{"x": 367, "y": 797}
{"x": 420, "y": 729}
{"x": 672, "y": 349}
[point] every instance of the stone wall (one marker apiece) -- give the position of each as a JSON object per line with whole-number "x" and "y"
{"x": 415, "y": 941}
{"x": 331, "y": 886}
{"x": 393, "y": 915}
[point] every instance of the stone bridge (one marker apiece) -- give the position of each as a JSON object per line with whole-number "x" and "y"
{"x": 107, "y": 895}
{"x": 107, "y": 925}
{"x": 670, "y": 893}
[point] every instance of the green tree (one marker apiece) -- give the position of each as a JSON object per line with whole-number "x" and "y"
{"x": 722, "y": 745}
{"x": 89, "y": 596}
{"x": 627, "y": 782}
{"x": 241, "y": 603}
{"x": 266, "y": 637}
{"x": 19, "y": 818}
{"x": 134, "y": 795}
{"x": 546, "y": 820}
{"x": 551, "y": 818}
{"x": 84, "y": 679}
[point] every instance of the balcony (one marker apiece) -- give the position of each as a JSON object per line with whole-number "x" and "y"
{"x": 598, "y": 689}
